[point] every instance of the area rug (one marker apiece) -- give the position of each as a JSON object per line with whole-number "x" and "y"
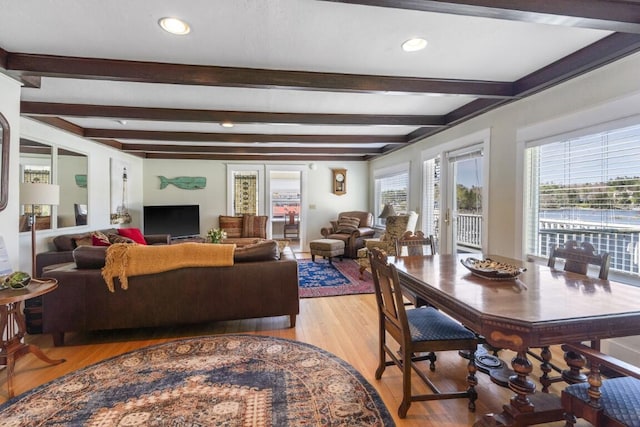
{"x": 321, "y": 279}
{"x": 230, "y": 380}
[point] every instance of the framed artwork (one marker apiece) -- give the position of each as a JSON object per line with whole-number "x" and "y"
{"x": 119, "y": 196}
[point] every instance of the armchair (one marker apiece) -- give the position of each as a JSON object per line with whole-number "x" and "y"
{"x": 352, "y": 235}
{"x": 396, "y": 227}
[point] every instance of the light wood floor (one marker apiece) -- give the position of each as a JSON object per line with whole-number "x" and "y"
{"x": 345, "y": 326}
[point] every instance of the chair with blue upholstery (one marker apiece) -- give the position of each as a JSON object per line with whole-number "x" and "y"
{"x": 415, "y": 331}
{"x": 603, "y": 401}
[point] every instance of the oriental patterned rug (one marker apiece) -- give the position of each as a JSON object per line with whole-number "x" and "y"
{"x": 321, "y": 279}
{"x": 230, "y": 380}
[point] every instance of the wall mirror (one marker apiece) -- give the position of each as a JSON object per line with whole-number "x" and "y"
{"x": 37, "y": 162}
{"x": 4, "y": 162}
{"x": 35, "y": 166}
{"x": 72, "y": 179}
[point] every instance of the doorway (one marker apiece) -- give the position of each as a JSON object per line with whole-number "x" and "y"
{"x": 285, "y": 207}
{"x": 463, "y": 215}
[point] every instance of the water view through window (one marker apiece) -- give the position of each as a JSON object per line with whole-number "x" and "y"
{"x": 587, "y": 189}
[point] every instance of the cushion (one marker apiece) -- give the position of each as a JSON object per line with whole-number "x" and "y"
{"x": 133, "y": 233}
{"x": 231, "y": 224}
{"x": 266, "y": 250}
{"x": 347, "y": 224}
{"x": 254, "y": 226}
{"x": 100, "y": 239}
{"x": 84, "y": 240}
{"x": 116, "y": 238}
{"x": 89, "y": 257}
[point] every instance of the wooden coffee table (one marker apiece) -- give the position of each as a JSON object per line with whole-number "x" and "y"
{"x": 13, "y": 326}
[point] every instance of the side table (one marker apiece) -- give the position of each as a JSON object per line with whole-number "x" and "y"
{"x": 13, "y": 326}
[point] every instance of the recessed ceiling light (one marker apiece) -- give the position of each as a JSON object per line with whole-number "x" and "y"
{"x": 414, "y": 44}
{"x": 174, "y": 26}
{"x": 226, "y": 124}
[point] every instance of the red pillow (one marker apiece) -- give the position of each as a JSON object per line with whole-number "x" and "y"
{"x": 134, "y": 234}
{"x": 96, "y": 241}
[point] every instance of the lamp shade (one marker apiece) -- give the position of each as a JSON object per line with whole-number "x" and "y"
{"x": 387, "y": 211}
{"x": 39, "y": 194}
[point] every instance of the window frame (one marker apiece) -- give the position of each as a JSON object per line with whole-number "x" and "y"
{"x": 389, "y": 172}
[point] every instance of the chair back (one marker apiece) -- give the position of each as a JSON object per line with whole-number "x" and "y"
{"x": 391, "y": 310}
{"x": 366, "y": 218}
{"x": 416, "y": 244}
{"x": 578, "y": 257}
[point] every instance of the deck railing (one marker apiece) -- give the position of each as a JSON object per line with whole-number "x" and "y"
{"x": 621, "y": 242}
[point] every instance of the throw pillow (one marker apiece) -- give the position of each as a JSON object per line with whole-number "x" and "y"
{"x": 231, "y": 224}
{"x": 116, "y": 238}
{"x": 133, "y": 233}
{"x": 347, "y": 224}
{"x": 83, "y": 240}
{"x": 254, "y": 226}
{"x": 100, "y": 239}
{"x": 266, "y": 250}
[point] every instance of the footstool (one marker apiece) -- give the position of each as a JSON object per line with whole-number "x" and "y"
{"x": 326, "y": 248}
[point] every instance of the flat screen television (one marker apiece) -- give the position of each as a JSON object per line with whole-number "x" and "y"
{"x": 176, "y": 220}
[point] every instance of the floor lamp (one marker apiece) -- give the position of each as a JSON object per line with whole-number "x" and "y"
{"x": 37, "y": 194}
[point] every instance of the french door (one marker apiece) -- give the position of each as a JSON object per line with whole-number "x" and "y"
{"x": 454, "y": 189}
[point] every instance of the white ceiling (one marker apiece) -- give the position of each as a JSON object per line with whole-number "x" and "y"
{"x": 291, "y": 35}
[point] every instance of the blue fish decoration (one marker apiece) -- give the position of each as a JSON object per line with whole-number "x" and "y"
{"x": 184, "y": 182}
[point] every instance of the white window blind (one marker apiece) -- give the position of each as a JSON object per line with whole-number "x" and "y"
{"x": 392, "y": 188}
{"x": 431, "y": 198}
{"x": 587, "y": 189}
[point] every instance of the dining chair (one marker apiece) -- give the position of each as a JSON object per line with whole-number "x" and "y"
{"x": 415, "y": 331}
{"x": 578, "y": 257}
{"x": 603, "y": 401}
{"x": 409, "y": 244}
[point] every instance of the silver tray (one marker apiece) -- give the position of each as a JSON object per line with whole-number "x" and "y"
{"x": 492, "y": 270}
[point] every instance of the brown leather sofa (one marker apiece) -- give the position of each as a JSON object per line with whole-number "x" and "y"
{"x": 353, "y": 239}
{"x": 257, "y": 285}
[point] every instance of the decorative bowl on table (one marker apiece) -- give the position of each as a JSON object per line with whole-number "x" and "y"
{"x": 17, "y": 280}
{"x": 492, "y": 270}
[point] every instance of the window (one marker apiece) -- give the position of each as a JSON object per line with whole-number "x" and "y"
{"x": 391, "y": 186}
{"x": 586, "y": 188}
{"x": 246, "y": 187}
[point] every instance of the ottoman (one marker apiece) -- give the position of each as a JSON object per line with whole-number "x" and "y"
{"x": 326, "y": 248}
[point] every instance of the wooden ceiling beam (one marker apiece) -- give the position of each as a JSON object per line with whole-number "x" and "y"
{"x": 156, "y": 148}
{"x": 241, "y": 137}
{"x": 155, "y": 72}
{"x": 217, "y": 116}
{"x": 619, "y": 16}
{"x": 251, "y": 157}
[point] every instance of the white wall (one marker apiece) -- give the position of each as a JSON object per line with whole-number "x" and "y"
{"x": 582, "y": 94}
{"x": 98, "y": 179}
{"x": 322, "y": 205}
{"x": 10, "y": 108}
{"x": 609, "y": 93}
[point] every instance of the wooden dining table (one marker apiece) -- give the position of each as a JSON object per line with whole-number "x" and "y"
{"x": 541, "y": 307}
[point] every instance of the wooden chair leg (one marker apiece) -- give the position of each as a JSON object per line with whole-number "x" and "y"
{"x": 406, "y": 384}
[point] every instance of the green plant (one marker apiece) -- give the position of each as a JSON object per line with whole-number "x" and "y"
{"x": 216, "y": 235}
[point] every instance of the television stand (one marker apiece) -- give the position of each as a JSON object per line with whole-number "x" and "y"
{"x": 184, "y": 239}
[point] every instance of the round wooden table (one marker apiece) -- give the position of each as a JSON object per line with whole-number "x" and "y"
{"x": 13, "y": 326}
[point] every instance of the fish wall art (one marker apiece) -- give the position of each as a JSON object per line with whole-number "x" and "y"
{"x": 184, "y": 182}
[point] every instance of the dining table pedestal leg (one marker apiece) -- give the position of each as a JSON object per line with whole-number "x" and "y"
{"x": 525, "y": 407}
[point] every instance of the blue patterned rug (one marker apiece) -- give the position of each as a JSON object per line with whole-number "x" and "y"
{"x": 321, "y": 279}
{"x": 230, "y": 380}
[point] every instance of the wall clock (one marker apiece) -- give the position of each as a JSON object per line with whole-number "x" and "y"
{"x": 339, "y": 181}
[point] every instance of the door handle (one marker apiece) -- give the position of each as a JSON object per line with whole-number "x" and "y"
{"x": 447, "y": 218}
